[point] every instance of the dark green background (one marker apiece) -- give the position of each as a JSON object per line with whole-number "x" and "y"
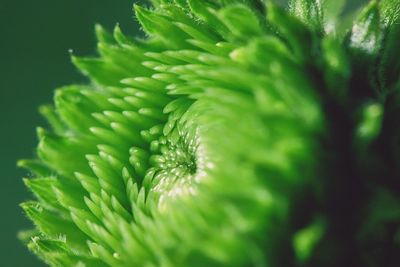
{"x": 35, "y": 36}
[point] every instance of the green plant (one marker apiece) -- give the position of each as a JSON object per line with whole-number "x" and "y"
{"x": 237, "y": 133}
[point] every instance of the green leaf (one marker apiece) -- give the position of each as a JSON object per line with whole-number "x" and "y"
{"x": 309, "y": 12}
{"x": 37, "y": 167}
{"x": 53, "y": 225}
{"x": 332, "y": 14}
{"x": 389, "y": 61}
{"x": 366, "y": 34}
{"x": 241, "y": 21}
{"x": 390, "y": 12}
{"x": 306, "y": 240}
{"x": 100, "y": 71}
{"x": 336, "y": 67}
{"x": 371, "y": 122}
{"x": 293, "y": 31}
{"x": 158, "y": 25}
{"x": 41, "y": 187}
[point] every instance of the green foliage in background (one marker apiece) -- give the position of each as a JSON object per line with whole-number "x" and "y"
{"x": 236, "y": 133}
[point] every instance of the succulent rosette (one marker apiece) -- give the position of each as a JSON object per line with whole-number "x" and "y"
{"x": 236, "y": 133}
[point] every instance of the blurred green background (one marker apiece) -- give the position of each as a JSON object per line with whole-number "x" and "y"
{"x": 34, "y": 40}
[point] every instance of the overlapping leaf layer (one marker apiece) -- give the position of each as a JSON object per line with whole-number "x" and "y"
{"x": 237, "y": 133}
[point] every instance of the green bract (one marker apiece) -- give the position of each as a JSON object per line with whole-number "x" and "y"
{"x": 237, "y": 133}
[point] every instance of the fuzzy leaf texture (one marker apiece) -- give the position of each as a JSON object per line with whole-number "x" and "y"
{"x": 236, "y": 133}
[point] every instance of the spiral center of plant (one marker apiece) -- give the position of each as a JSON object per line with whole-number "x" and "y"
{"x": 175, "y": 169}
